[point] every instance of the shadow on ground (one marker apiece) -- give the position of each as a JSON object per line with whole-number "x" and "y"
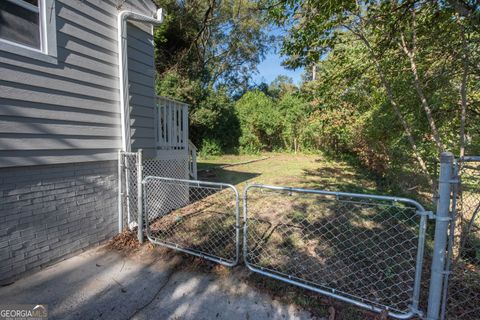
{"x": 103, "y": 284}
{"x": 226, "y": 176}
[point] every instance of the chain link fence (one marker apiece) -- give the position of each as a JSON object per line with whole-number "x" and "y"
{"x": 199, "y": 218}
{"x": 463, "y": 297}
{"x": 367, "y": 250}
{"x": 128, "y": 179}
{"x": 168, "y": 168}
{"x": 362, "y": 249}
{"x": 129, "y": 171}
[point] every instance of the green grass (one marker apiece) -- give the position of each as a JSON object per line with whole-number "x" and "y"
{"x": 303, "y": 171}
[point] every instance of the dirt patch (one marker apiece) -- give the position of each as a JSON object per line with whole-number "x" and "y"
{"x": 203, "y": 222}
{"x": 321, "y": 307}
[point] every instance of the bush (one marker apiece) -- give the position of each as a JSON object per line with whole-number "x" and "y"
{"x": 210, "y": 147}
{"x": 211, "y": 111}
{"x": 260, "y": 122}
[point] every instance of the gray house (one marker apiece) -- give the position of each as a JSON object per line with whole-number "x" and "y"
{"x": 76, "y": 86}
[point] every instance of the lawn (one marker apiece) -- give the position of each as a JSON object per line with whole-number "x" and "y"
{"x": 303, "y": 171}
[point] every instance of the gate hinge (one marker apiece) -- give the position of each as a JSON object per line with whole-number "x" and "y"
{"x": 442, "y": 271}
{"x": 416, "y": 311}
{"x": 447, "y": 219}
{"x": 429, "y": 214}
{"x": 451, "y": 181}
{"x": 433, "y": 216}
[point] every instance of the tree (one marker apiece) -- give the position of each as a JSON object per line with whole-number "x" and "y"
{"x": 206, "y": 52}
{"x": 215, "y": 42}
{"x": 395, "y": 35}
{"x": 281, "y": 85}
{"x": 260, "y": 122}
{"x": 294, "y": 112}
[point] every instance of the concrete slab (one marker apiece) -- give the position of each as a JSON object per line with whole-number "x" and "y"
{"x": 103, "y": 284}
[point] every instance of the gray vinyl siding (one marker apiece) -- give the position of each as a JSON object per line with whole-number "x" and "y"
{"x": 69, "y": 111}
{"x": 141, "y": 79}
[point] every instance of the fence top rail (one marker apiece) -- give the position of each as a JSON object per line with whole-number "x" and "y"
{"x": 470, "y": 159}
{"x": 418, "y": 206}
{"x": 197, "y": 183}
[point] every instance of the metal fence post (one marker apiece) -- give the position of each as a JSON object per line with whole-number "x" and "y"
{"x": 451, "y": 238}
{"x": 441, "y": 234}
{"x": 120, "y": 192}
{"x": 139, "y": 197}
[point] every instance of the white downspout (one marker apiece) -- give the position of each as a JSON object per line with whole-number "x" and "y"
{"x": 123, "y": 16}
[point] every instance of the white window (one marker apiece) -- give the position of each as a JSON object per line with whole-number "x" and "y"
{"x": 27, "y": 27}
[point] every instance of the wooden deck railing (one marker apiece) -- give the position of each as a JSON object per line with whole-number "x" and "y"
{"x": 171, "y": 124}
{"x": 171, "y": 133}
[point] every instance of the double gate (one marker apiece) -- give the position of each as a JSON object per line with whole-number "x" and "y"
{"x": 366, "y": 250}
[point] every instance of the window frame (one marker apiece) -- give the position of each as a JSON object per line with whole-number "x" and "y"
{"x": 48, "y": 33}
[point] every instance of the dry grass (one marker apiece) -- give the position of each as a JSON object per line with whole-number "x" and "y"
{"x": 125, "y": 241}
{"x": 303, "y": 171}
{"x": 367, "y": 250}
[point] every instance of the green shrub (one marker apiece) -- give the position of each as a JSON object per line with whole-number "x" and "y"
{"x": 260, "y": 122}
{"x": 210, "y": 147}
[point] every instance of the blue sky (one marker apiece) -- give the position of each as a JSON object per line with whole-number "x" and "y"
{"x": 271, "y": 67}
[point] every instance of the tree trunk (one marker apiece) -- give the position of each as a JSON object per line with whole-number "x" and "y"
{"x": 393, "y": 103}
{"x": 463, "y": 90}
{"x": 396, "y": 110}
{"x": 418, "y": 86}
{"x": 406, "y": 127}
{"x": 426, "y": 107}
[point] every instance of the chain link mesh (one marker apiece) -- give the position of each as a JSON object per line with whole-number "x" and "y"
{"x": 173, "y": 168}
{"x": 362, "y": 249}
{"x": 464, "y": 282}
{"x": 130, "y": 194}
{"x": 200, "y": 218}
{"x": 169, "y": 168}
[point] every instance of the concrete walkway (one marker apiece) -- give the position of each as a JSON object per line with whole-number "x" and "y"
{"x": 103, "y": 284}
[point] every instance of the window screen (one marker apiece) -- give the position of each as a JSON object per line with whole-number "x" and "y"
{"x": 20, "y": 22}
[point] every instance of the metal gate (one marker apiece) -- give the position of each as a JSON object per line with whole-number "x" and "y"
{"x": 196, "y": 217}
{"x": 366, "y": 250}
